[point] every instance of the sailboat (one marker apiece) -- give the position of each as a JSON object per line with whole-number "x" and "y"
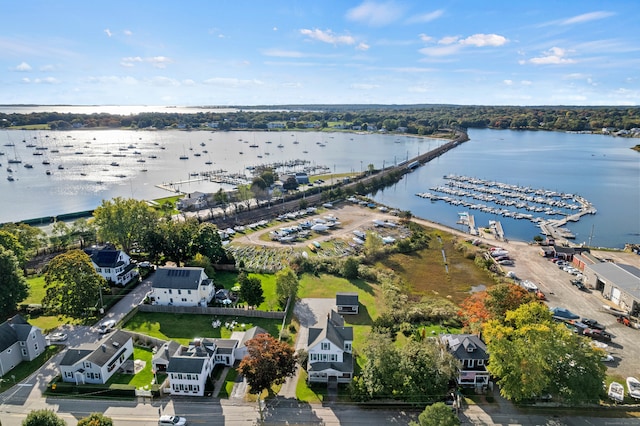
{"x": 184, "y": 156}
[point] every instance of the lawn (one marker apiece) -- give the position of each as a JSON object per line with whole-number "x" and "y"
{"x": 143, "y": 378}
{"x": 184, "y": 328}
{"x": 229, "y": 381}
{"x": 25, "y": 369}
{"x": 229, "y": 279}
{"x": 36, "y": 290}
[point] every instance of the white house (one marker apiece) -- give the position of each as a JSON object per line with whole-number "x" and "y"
{"x": 98, "y": 361}
{"x": 19, "y": 341}
{"x": 113, "y": 265}
{"x": 192, "y": 201}
{"x": 472, "y": 353}
{"x": 330, "y": 352}
{"x": 188, "y": 286}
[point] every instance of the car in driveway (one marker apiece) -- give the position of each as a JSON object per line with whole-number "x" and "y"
{"x": 106, "y": 326}
{"x": 57, "y": 337}
{"x": 593, "y": 324}
{"x": 172, "y": 421}
{"x": 596, "y": 334}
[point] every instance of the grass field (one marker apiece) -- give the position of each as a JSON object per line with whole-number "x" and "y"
{"x": 184, "y": 328}
{"x": 141, "y": 379}
{"x": 36, "y": 289}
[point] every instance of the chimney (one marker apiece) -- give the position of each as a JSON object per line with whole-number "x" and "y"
{"x": 104, "y": 347}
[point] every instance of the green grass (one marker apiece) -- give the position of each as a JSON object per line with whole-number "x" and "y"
{"x": 36, "y": 290}
{"x": 143, "y": 378}
{"x": 183, "y": 328}
{"x": 229, "y": 381}
{"x": 25, "y": 369}
{"x": 230, "y": 279}
{"x": 304, "y": 393}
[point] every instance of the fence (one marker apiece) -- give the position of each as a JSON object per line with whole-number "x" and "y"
{"x": 200, "y": 310}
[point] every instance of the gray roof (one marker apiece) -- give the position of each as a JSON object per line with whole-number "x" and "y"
{"x": 345, "y": 366}
{"x": 179, "y": 364}
{"x": 15, "y": 329}
{"x": 99, "y": 352}
{"x": 251, "y": 333}
{"x": 177, "y": 278}
{"x": 465, "y": 346}
{"x": 626, "y": 277}
{"x": 349, "y": 299}
{"x": 336, "y": 334}
{"x": 167, "y": 350}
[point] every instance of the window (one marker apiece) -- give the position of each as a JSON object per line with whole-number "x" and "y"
{"x": 188, "y": 291}
{"x": 347, "y": 347}
{"x": 184, "y": 299}
{"x": 333, "y": 357}
{"x": 35, "y": 346}
{"x": 179, "y": 291}
{"x": 325, "y": 346}
{"x": 24, "y": 352}
{"x": 169, "y": 291}
{"x": 21, "y": 343}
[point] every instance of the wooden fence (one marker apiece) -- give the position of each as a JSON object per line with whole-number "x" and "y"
{"x": 198, "y": 310}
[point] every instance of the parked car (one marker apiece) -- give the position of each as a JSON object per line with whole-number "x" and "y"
{"x": 593, "y": 324}
{"x": 57, "y": 337}
{"x": 106, "y": 326}
{"x": 607, "y": 358}
{"x": 578, "y": 283}
{"x": 564, "y": 313}
{"x": 597, "y": 334}
{"x": 172, "y": 421}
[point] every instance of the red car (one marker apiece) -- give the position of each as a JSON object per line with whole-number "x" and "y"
{"x": 596, "y": 334}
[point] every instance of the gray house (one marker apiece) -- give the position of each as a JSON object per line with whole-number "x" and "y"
{"x": 330, "y": 352}
{"x": 347, "y": 303}
{"x": 19, "y": 341}
{"x": 472, "y": 353}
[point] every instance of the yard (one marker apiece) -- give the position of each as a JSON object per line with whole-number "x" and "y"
{"x": 144, "y": 378}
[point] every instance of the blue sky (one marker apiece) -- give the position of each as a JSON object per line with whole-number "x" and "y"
{"x": 547, "y": 52}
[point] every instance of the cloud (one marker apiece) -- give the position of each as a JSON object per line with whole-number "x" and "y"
{"x": 448, "y": 40}
{"x": 107, "y": 31}
{"x": 164, "y": 81}
{"x": 587, "y": 17}
{"x": 425, "y": 38}
{"x": 508, "y": 82}
{"x": 188, "y": 82}
{"x": 482, "y": 40}
{"x": 130, "y": 61}
{"x": 526, "y": 82}
{"x": 553, "y": 56}
{"x": 364, "y": 86}
{"x": 328, "y": 37}
{"x": 279, "y": 53}
{"x": 441, "y": 50}
{"x": 376, "y": 14}
{"x": 275, "y": 28}
{"x": 362, "y": 46}
{"x": 112, "y": 79}
{"x": 232, "y": 82}
{"x": 46, "y": 80}
{"x": 127, "y": 32}
{"x": 47, "y": 67}
{"x": 159, "y": 61}
{"x": 23, "y": 67}
{"x": 426, "y": 17}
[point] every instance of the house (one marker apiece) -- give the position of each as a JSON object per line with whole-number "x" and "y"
{"x": 189, "y": 367}
{"x": 188, "y": 286}
{"x": 113, "y": 265}
{"x": 98, "y": 361}
{"x": 19, "y": 341}
{"x": 471, "y": 351}
{"x": 241, "y": 351}
{"x": 192, "y": 201}
{"x": 618, "y": 283}
{"x": 347, "y": 303}
{"x": 330, "y": 352}
{"x": 302, "y": 178}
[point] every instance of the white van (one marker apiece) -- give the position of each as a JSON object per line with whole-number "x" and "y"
{"x": 172, "y": 421}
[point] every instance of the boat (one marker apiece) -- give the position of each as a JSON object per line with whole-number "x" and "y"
{"x": 10, "y": 178}
{"x": 48, "y": 172}
{"x": 616, "y": 392}
{"x": 633, "y": 386}
{"x": 184, "y": 157}
{"x": 60, "y": 167}
{"x": 115, "y": 164}
{"x": 208, "y": 162}
{"x": 28, "y": 166}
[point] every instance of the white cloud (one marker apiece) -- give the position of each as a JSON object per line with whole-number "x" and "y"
{"x": 232, "y": 82}
{"x": 279, "y": 53}
{"x": 164, "y": 81}
{"x": 275, "y": 28}
{"x": 130, "y": 61}
{"x": 160, "y": 61}
{"x": 362, "y": 46}
{"x": 328, "y": 36}
{"x": 481, "y": 40}
{"x": 364, "y": 86}
{"x": 292, "y": 85}
{"x": 554, "y": 56}
{"x": 426, "y": 17}
{"x": 47, "y": 67}
{"x": 526, "y": 82}
{"x": 575, "y": 76}
{"x": 26, "y": 80}
{"x": 448, "y": 40}
{"x": 418, "y": 89}
{"x": 46, "y": 80}
{"x": 188, "y": 82}
{"x": 23, "y": 67}
{"x": 112, "y": 79}
{"x": 127, "y": 32}
{"x": 587, "y": 17}
{"x": 376, "y": 14}
{"x": 508, "y": 82}
{"x": 425, "y": 38}
{"x": 441, "y": 50}
{"x": 107, "y": 31}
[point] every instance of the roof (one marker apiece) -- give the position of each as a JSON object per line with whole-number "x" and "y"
{"x": 465, "y": 346}
{"x": 178, "y": 278}
{"x": 334, "y": 333}
{"x": 251, "y": 333}
{"x": 347, "y": 299}
{"x": 167, "y": 350}
{"x": 344, "y": 366}
{"x": 180, "y": 364}
{"x": 625, "y": 277}
{"x": 100, "y": 352}
{"x": 106, "y": 258}
{"x": 13, "y": 330}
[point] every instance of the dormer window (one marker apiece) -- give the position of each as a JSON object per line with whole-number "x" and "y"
{"x": 325, "y": 346}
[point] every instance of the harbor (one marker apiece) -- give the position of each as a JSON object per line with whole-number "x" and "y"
{"x": 550, "y": 210}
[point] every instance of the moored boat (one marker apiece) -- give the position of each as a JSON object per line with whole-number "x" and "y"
{"x": 616, "y": 392}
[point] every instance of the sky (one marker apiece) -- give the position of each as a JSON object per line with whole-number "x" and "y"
{"x": 278, "y": 52}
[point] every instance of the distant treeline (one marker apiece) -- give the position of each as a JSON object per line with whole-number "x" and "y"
{"x": 412, "y": 119}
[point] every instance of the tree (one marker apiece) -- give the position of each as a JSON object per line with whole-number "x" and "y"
{"x": 372, "y": 246}
{"x": 72, "y": 284}
{"x": 209, "y": 243}
{"x": 9, "y": 241}
{"x": 350, "y": 268}
{"x": 179, "y": 239}
{"x": 506, "y": 297}
{"x": 286, "y": 285}
{"x": 96, "y": 419}
{"x": 291, "y": 184}
{"x": 43, "y": 418}
{"x": 437, "y": 414}
{"x": 85, "y": 231}
{"x": 30, "y": 237}
{"x": 251, "y": 289}
{"x": 531, "y": 355}
{"x": 245, "y": 195}
{"x": 60, "y": 235}
{"x": 268, "y": 362}
{"x": 473, "y": 311}
{"x": 13, "y": 286}
{"x": 124, "y": 221}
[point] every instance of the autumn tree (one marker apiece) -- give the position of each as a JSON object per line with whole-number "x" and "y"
{"x": 287, "y": 284}
{"x": 124, "y": 221}
{"x": 473, "y": 311}
{"x": 268, "y": 362}
{"x": 438, "y": 414}
{"x": 531, "y": 354}
{"x": 506, "y": 297}
{"x": 95, "y": 419}
{"x": 13, "y": 285}
{"x": 43, "y": 417}
{"x": 250, "y": 289}
{"x": 72, "y": 284}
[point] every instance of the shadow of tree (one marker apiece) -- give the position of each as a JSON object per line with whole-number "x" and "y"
{"x": 280, "y": 410}
{"x": 305, "y": 314}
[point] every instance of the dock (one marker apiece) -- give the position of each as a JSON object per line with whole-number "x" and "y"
{"x": 496, "y": 230}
